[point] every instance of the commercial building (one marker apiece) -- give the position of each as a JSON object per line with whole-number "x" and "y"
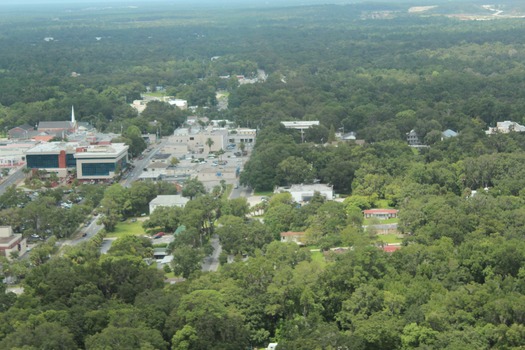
{"x": 101, "y": 161}
{"x": 91, "y": 162}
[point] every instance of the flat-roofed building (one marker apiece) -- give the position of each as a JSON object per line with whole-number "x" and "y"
{"x": 242, "y": 135}
{"x": 53, "y": 157}
{"x": 305, "y": 192}
{"x": 11, "y": 242}
{"x": 300, "y": 124}
{"x": 174, "y": 200}
{"x": 101, "y": 161}
{"x": 91, "y": 162}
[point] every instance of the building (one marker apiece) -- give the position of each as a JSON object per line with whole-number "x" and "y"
{"x": 300, "y": 125}
{"x": 413, "y": 138}
{"x": 54, "y": 157}
{"x": 505, "y": 127}
{"x": 11, "y": 242}
{"x": 448, "y": 133}
{"x": 381, "y": 214}
{"x": 100, "y": 161}
{"x": 13, "y": 153}
{"x": 196, "y": 138}
{"x": 293, "y": 237}
{"x": 91, "y": 162}
{"x": 22, "y": 132}
{"x": 303, "y": 193}
{"x": 59, "y": 128}
{"x": 177, "y": 102}
{"x": 242, "y": 135}
{"x": 167, "y": 201}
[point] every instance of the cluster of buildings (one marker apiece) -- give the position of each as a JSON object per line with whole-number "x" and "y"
{"x": 91, "y": 162}
{"x": 87, "y": 153}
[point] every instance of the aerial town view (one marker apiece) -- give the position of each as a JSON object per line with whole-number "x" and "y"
{"x": 262, "y": 174}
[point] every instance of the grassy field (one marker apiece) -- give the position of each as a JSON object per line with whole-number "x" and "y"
{"x": 390, "y": 238}
{"x": 127, "y": 228}
{"x": 374, "y": 221}
{"x": 319, "y": 258}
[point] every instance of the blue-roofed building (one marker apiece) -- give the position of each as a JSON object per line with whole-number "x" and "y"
{"x": 448, "y": 133}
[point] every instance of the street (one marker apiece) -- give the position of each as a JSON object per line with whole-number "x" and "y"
{"x": 211, "y": 262}
{"x": 12, "y": 179}
{"x": 142, "y": 163}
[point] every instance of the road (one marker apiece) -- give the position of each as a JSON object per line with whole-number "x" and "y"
{"x": 211, "y": 262}
{"x": 140, "y": 164}
{"x": 12, "y": 179}
{"x": 89, "y": 231}
{"x": 241, "y": 191}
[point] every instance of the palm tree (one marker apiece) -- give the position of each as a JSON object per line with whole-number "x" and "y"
{"x": 209, "y": 142}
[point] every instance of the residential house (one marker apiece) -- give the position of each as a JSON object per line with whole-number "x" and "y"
{"x": 413, "y": 138}
{"x": 381, "y": 214}
{"x": 505, "y": 127}
{"x": 293, "y": 237}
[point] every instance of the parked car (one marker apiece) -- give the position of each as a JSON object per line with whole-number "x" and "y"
{"x": 159, "y": 234}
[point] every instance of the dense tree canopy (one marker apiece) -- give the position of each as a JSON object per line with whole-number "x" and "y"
{"x": 378, "y": 70}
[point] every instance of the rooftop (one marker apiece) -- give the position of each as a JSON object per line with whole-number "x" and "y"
{"x": 169, "y": 200}
{"x": 54, "y": 147}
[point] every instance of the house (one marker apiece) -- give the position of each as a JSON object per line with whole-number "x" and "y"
{"x": 390, "y": 248}
{"x": 303, "y": 193}
{"x": 505, "y": 127}
{"x": 448, "y": 133}
{"x": 167, "y": 201}
{"x": 293, "y": 237}
{"x": 381, "y": 214}
{"x": 24, "y": 132}
{"x": 11, "y": 242}
{"x": 413, "y": 138}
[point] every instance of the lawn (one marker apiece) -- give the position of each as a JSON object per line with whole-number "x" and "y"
{"x": 390, "y": 238}
{"x": 127, "y": 228}
{"x": 374, "y": 221}
{"x": 319, "y": 258}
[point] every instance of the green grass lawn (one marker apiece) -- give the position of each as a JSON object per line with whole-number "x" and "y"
{"x": 390, "y": 238}
{"x": 127, "y": 228}
{"x": 374, "y": 221}
{"x": 319, "y": 258}
{"x": 382, "y": 203}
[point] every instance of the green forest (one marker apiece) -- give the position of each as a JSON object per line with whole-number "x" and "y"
{"x": 378, "y": 70}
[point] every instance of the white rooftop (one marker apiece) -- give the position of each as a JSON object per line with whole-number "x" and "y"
{"x": 169, "y": 200}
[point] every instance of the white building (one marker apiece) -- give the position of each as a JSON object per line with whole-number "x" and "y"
{"x": 301, "y": 124}
{"x": 303, "y": 193}
{"x": 167, "y": 201}
{"x": 101, "y": 161}
{"x": 505, "y": 127}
